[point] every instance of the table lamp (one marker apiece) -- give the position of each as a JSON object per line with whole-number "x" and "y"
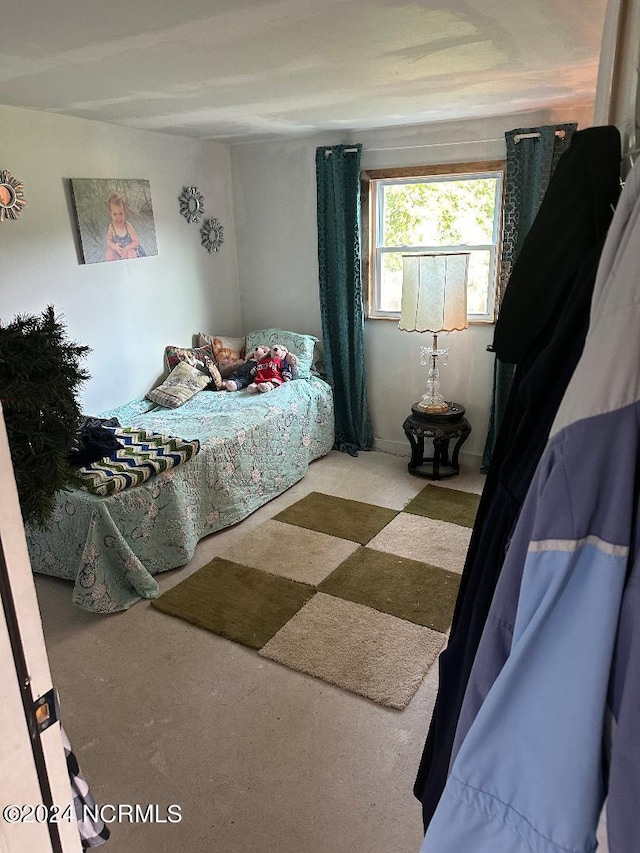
{"x": 434, "y": 299}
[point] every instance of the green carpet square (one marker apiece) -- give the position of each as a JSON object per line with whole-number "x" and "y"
{"x": 445, "y": 504}
{"x": 411, "y": 590}
{"x": 242, "y": 604}
{"x": 339, "y": 517}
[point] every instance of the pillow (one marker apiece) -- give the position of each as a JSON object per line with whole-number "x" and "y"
{"x": 300, "y": 345}
{"x": 224, "y": 349}
{"x": 181, "y": 385}
{"x": 174, "y": 355}
{"x": 228, "y": 352}
{"x": 204, "y": 355}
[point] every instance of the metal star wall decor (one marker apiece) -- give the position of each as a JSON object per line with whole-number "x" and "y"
{"x": 11, "y": 197}
{"x": 191, "y": 204}
{"x": 212, "y": 234}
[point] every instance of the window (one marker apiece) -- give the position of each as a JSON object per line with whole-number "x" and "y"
{"x": 456, "y": 209}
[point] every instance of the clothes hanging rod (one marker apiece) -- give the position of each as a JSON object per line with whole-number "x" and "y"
{"x": 519, "y": 136}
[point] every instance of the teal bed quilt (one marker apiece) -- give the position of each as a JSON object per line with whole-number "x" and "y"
{"x": 252, "y": 448}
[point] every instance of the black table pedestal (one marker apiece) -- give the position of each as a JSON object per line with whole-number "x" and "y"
{"x": 441, "y": 428}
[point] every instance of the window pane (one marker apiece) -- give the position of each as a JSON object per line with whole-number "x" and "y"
{"x": 439, "y": 213}
{"x": 478, "y": 283}
{"x": 391, "y": 282}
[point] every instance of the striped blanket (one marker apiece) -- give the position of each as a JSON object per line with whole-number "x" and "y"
{"x": 143, "y": 455}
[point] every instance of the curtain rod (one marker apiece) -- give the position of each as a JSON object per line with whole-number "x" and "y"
{"x": 516, "y": 139}
{"x": 435, "y": 144}
{"x": 425, "y": 145}
{"x": 519, "y": 136}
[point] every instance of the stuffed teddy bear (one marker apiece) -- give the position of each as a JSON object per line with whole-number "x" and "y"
{"x": 244, "y": 374}
{"x": 274, "y": 369}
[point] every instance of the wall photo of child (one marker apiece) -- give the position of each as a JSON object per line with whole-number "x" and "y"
{"x": 114, "y": 218}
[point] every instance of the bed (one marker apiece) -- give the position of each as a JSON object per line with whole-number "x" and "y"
{"x": 253, "y": 448}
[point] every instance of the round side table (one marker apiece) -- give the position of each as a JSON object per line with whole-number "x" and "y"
{"x": 441, "y": 428}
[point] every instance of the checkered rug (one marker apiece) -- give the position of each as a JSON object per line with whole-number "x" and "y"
{"x": 356, "y": 594}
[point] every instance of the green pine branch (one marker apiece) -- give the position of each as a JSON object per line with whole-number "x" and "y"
{"x": 40, "y": 376}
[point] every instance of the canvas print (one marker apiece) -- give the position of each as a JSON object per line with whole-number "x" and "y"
{"x": 115, "y": 219}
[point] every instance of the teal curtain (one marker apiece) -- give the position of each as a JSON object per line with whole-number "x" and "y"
{"x": 338, "y": 180}
{"x": 530, "y": 164}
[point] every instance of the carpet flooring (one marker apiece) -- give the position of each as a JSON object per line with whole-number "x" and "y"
{"x": 356, "y": 594}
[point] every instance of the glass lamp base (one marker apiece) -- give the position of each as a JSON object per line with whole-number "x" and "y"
{"x": 432, "y": 401}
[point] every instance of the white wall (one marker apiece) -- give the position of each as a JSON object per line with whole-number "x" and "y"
{"x": 127, "y": 311}
{"x": 274, "y": 187}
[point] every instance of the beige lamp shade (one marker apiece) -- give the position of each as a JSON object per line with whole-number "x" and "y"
{"x": 434, "y": 292}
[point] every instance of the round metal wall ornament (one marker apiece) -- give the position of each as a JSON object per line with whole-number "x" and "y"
{"x": 212, "y": 235}
{"x": 11, "y": 197}
{"x": 191, "y": 204}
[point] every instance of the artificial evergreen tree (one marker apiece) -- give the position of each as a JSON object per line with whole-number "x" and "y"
{"x": 40, "y": 375}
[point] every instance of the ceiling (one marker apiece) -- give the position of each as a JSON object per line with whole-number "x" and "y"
{"x": 237, "y": 70}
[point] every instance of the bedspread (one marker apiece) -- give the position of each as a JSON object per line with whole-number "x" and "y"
{"x": 253, "y": 447}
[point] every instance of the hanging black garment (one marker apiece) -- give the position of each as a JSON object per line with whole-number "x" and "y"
{"x": 539, "y": 384}
{"x": 574, "y": 214}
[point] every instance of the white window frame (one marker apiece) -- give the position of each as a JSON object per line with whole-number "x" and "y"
{"x": 377, "y": 181}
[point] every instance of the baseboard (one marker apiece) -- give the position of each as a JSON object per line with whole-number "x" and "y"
{"x": 400, "y": 448}
{"x": 397, "y": 448}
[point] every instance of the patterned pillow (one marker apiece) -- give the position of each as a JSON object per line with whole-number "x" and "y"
{"x": 224, "y": 349}
{"x": 181, "y": 385}
{"x": 300, "y": 345}
{"x": 200, "y": 357}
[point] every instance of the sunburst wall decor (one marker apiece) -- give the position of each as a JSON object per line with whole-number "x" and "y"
{"x": 212, "y": 234}
{"x": 11, "y": 198}
{"x": 191, "y": 204}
